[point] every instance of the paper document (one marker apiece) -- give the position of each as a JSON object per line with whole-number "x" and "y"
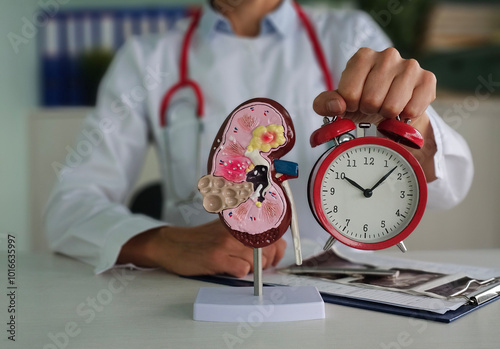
{"x": 416, "y": 285}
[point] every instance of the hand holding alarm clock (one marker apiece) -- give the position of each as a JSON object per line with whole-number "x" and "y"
{"x": 382, "y": 85}
{"x": 370, "y": 192}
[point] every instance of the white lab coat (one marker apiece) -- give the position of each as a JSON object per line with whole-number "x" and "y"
{"x": 86, "y": 217}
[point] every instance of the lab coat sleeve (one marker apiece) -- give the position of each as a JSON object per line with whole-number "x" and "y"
{"x": 453, "y": 165}
{"x": 453, "y": 160}
{"x": 85, "y": 216}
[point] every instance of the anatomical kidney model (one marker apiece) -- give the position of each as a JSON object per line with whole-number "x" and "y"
{"x": 246, "y": 182}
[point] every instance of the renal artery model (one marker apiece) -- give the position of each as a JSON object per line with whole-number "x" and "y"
{"x": 246, "y": 182}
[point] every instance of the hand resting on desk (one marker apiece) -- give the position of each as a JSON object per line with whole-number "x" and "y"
{"x": 201, "y": 250}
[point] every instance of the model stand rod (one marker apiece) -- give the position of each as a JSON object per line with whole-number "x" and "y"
{"x": 257, "y": 272}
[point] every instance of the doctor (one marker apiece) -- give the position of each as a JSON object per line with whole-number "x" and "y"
{"x": 238, "y": 50}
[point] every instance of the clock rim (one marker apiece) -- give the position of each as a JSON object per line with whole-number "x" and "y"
{"x": 322, "y": 166}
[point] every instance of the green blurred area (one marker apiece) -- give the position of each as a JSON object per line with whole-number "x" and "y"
{"x": 465, "y": 70}
{"x": 406, "y": 22}
{"x": 402, "y": 20}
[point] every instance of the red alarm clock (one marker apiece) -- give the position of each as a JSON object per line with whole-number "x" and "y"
{"x": 367, "y": 192}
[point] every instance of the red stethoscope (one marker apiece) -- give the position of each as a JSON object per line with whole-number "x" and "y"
{"x": 186, "y": 82}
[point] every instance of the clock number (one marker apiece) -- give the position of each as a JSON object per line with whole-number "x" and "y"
{"x": 403, "y": 194}
{"x": 382, "y": 224}
{"x": 335, "y": 209}
{"x": 347, "y": 221}
{"x": 400, "y": 176}
{"x": 397, "y": 213}
{"x": 351, "y": 163}
{"x": 365, "y": 228}
{"x": 341, "y": 176}
{"x": 332, "y": 191}
{"x": 369, "y": 161}
{"x": 386, "y": 163}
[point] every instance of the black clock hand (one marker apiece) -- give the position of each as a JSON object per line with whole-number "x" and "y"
{"x": 354, "y": 184}
{"x": 383, "y": 178}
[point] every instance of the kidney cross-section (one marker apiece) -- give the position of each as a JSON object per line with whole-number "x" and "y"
{"x": 241, "y": 185}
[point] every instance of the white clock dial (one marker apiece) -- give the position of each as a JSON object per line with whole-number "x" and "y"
{"x": 369, "y": 193}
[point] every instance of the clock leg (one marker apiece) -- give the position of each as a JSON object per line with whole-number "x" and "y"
{"x": 402, "y": 247}
{"x": 329, "y": 243}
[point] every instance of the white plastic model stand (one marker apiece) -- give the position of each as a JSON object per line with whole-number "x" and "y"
{"x": 258, "y": 304}
{"x": 238, "y": 304}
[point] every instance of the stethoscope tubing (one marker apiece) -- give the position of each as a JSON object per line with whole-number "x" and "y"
{"x": 186, "y": 82}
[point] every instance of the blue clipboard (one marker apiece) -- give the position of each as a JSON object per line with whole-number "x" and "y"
{"x": 447, "y": 317}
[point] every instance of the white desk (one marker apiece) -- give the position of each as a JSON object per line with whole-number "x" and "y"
{"x": 154, "y": 310}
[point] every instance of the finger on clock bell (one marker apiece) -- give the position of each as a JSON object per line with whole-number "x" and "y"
{"x": 417, "y": 105}
{"x": 329, "y": 103}
{"x": 423, "y": 95}
{"x": 398, "y": 96}
{"x": 377, "y": 85}
{"x": 353, "y": 78}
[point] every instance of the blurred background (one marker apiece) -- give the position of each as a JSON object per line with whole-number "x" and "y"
{"x": 54, "y": 53}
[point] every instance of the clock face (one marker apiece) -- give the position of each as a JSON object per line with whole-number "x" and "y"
{"x": 369, "y": 193}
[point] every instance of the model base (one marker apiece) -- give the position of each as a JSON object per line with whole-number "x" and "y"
{"x": 277, "y": 304}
